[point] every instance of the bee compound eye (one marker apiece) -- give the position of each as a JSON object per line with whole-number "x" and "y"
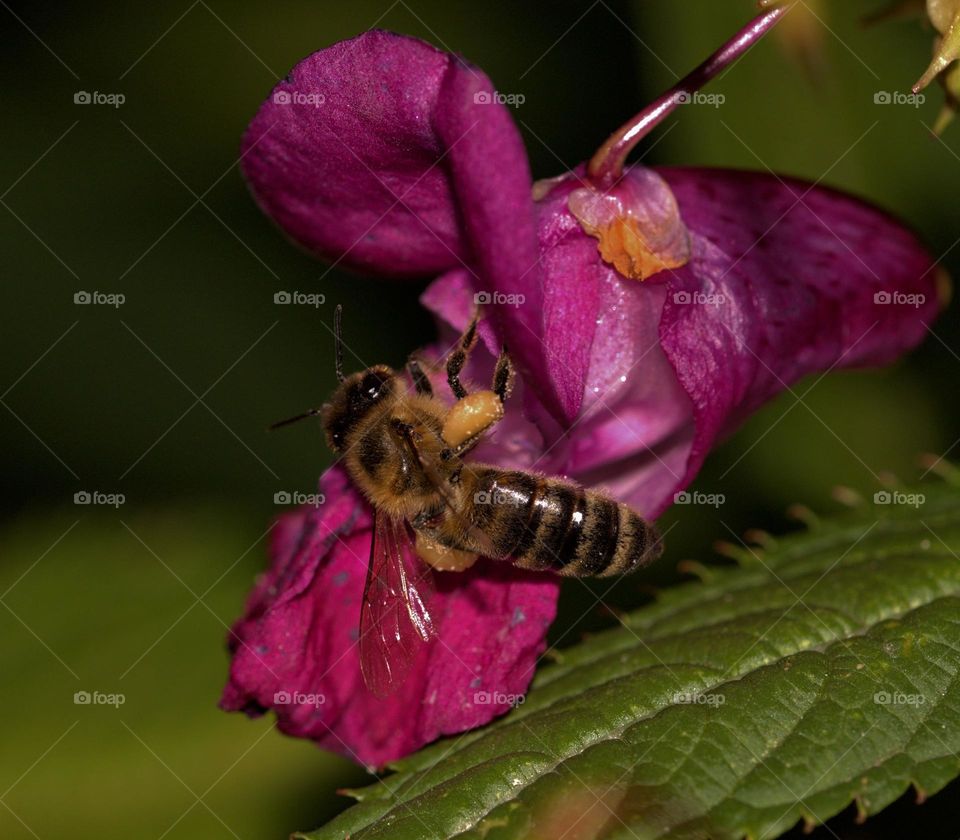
{"x": 373, "y": 386}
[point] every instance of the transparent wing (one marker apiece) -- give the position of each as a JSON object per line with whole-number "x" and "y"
{"x": 394, "y": 621}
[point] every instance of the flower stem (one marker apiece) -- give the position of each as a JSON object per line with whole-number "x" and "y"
{"x": 606, "y": 166}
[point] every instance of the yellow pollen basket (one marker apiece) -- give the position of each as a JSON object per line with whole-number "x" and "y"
{"x": 471, "y": 415}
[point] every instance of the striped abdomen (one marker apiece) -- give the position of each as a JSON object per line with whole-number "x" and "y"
{"x": 548, "y": 524}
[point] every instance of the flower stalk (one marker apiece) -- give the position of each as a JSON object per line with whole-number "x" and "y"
{"x": 606, "y": 166}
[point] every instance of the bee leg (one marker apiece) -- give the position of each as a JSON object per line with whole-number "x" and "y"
{"x": 405, "y": 430}
{"x": 458, "y": 358}
{"x": 503, "y": 375}
{"x": 473, "y": 414}
{"x": 420, "y": 380}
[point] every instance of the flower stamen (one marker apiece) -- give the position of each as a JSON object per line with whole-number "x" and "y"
{"x": 636, "y": 222}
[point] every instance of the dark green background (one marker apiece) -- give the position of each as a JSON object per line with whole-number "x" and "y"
{"x": 137, "y": 600}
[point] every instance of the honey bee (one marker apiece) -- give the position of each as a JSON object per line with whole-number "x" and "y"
{"x": 405, "y": 451}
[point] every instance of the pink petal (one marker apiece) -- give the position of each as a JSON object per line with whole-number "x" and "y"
{"x": 344, "y": 157}
{"x": 800, "y": 270}
{"x": 570, "y": 298}
{"x": 297, "y": 640}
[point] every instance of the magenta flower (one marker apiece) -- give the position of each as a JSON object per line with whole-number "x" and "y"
{"x": 649, "y": 313}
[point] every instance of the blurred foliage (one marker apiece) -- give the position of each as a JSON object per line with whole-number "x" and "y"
{"x": 145, "y": 200}
{"x": 109, "y": 603}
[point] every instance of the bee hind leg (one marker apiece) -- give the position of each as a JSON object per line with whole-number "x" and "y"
{"x": 469, "y": 420}
{"x": 475, "y": 414}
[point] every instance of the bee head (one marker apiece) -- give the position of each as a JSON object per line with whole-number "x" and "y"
{"x": 357, "y": 395}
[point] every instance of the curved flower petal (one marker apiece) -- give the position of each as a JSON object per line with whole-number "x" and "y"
{"x": 386, "y": 155}
{"x": 571, "y": 299}
{"x": 295, "y": 650}
{"x": 343, "y": 156}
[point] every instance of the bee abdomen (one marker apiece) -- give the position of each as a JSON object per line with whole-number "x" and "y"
{"x": 546, "y": 524}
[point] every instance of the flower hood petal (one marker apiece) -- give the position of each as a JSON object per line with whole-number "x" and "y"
{"x": 386, "y": 155}
{"x": 344, "y": 157}
{"x": 784, "y": 279}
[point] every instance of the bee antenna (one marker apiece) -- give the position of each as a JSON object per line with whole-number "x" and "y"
{"x": 338, "y": 338}
{"x": 313, "y": 412}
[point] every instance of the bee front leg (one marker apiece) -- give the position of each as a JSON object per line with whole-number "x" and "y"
{"x": 458, "y": 358}
{"x": 503, "y": 376}
{"x": 420, "y": 380}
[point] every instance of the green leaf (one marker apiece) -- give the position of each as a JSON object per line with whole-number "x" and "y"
{"x": 822, "y": 673}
